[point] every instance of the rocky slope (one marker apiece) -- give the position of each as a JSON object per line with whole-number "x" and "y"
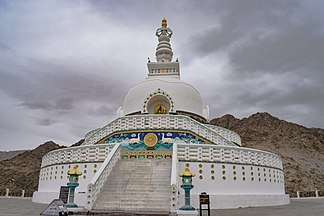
{"x": 301, "y": 148}
{"x": 22, "y": 171}
{"x": 4, "y": 155}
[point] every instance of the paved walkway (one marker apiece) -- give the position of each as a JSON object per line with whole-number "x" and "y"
{"x": 298, "y": 207}
{"x": 20, "y": 207}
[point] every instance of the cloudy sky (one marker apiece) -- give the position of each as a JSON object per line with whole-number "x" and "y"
{"x": 65, "y": 66}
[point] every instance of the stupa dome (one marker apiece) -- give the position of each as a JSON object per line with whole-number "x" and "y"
{"x": 173, "y": 93}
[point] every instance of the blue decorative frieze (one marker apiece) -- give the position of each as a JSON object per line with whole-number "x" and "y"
{"x": 137, "y": 137}
{"x": 141, "y": 147}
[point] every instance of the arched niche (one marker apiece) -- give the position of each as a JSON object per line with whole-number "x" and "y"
{"x": 158, "y": 102}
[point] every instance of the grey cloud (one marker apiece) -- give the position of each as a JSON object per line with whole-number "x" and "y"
{"x": 43, "y": 105}
{"x": 301, "y": 47}
{"x": 45, "y": 122}
{"x": 61, "y": 104}
{"x": 302, "y": 95}
{"x": 57, "y": 89}
{"x": 263, "y": 36}
{"x": 102, "y": 110}
{"x": 275, "y": 53}
{"x": 64, "y": 103}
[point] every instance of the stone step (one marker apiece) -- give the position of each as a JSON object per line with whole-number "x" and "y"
{"x": 138, "y": 182}
{"x": 136, "y": 197}
{"x": 132, "y": 211}
{"x": 144, "y": 170}
{"x": 145, "y": 173}
{"x": 136, "y": 189}
{"x": 144, "y": 183}
{"x": 132, "y": 192}
{"x": 138, "y": 200}
{"x": 139, "y": 185}
{"x": 136, "y": 185}
{"x": 161, "y": 200}
{"x": 135, "y": 192}
{"x": 131, "y": 204}
{"x": 140, "y": 179}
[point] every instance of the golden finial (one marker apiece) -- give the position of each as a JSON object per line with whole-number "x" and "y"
{"x": 187, "y": 172}
{"x": 74, "y": 171}
{"x": 164, "y": 23}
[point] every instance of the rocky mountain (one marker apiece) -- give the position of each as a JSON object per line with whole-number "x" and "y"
{"x": 22, "y": 171}
{"x": 301, "y": 148}
{"x": 4, "y": 155}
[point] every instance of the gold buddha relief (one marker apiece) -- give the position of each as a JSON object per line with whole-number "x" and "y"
{"x": 160, "y": 109}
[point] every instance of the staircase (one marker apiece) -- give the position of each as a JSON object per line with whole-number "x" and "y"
{"x": 137, "y": 186}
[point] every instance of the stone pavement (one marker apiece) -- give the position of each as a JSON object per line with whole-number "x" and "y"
{"x": 297, "y": 207}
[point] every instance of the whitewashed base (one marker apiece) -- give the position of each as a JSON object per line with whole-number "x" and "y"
{"x": 78, "y": 209}
{"x": 45, "y": 197}
{"x": 216, "y": 201}
{"x": 187, "y": 213}
{"x": 239, "y": 201}
{"x": 48, "y": 197}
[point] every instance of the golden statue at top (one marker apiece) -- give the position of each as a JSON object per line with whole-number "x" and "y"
{"x": 164, "y": 23}
{"x": 164, "y": 30}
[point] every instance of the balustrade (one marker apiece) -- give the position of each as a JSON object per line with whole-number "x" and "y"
{"x": 160, "y": 122}
{"x": 99, "y": 179}
{"x": 227, "y": 154}
{"x": 77, "y": 154}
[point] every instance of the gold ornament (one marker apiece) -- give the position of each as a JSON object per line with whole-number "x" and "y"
{"x": 160, "y": 109}
{"x": 150, "y": 139}
{"x": 164, "y": 23}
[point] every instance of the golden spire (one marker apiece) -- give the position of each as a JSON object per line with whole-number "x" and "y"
{"x": 164, "y": 23}
{"x": 187, "y": 172}
{"x": 74, "y": 171}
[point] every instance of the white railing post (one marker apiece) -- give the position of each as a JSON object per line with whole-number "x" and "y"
{"x": 298, "y": 194}
{"x": 174, "y": 179}
{"x": 100, "y": 177}
{"x": 316, "y": 193}
{"x": 7, "y": 192}
{"x": 23, "y": 193}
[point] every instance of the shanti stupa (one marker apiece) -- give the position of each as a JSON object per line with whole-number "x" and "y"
{"x": 133, "y": 163}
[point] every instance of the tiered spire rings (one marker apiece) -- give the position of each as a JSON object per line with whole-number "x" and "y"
{"x": 164, "y": 51}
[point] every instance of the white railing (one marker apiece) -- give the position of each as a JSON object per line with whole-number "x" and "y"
{"x": 138, "y": 122}
{"x": 174, "y": 177}
{"x": 78, "y": 154}
{"x": 226, "y": 133}
{"x": 101, "y": 176}
{"x": 227, "y": 154}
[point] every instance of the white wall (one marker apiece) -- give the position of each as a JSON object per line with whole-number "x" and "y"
{"x": 271, "y": 179}
{"x": 55, "y": 176}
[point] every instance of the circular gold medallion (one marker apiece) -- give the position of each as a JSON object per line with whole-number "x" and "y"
{"x": 150, "y": 139}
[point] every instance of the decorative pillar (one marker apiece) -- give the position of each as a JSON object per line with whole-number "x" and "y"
{"x": 72, "y": 184}
{"x": 316, "y": 193}
{"x": 298, "y": 195}
{"x": 23, "y": 193}
{"x": 7, "y": 192}
{"x": 187, "y": 186}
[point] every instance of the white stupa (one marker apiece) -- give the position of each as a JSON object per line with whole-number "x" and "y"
{"x": 133, "y": 163}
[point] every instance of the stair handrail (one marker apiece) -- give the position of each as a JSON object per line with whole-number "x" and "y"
{"x": 101, "y": 176}
{"x": 174, "y": 178}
